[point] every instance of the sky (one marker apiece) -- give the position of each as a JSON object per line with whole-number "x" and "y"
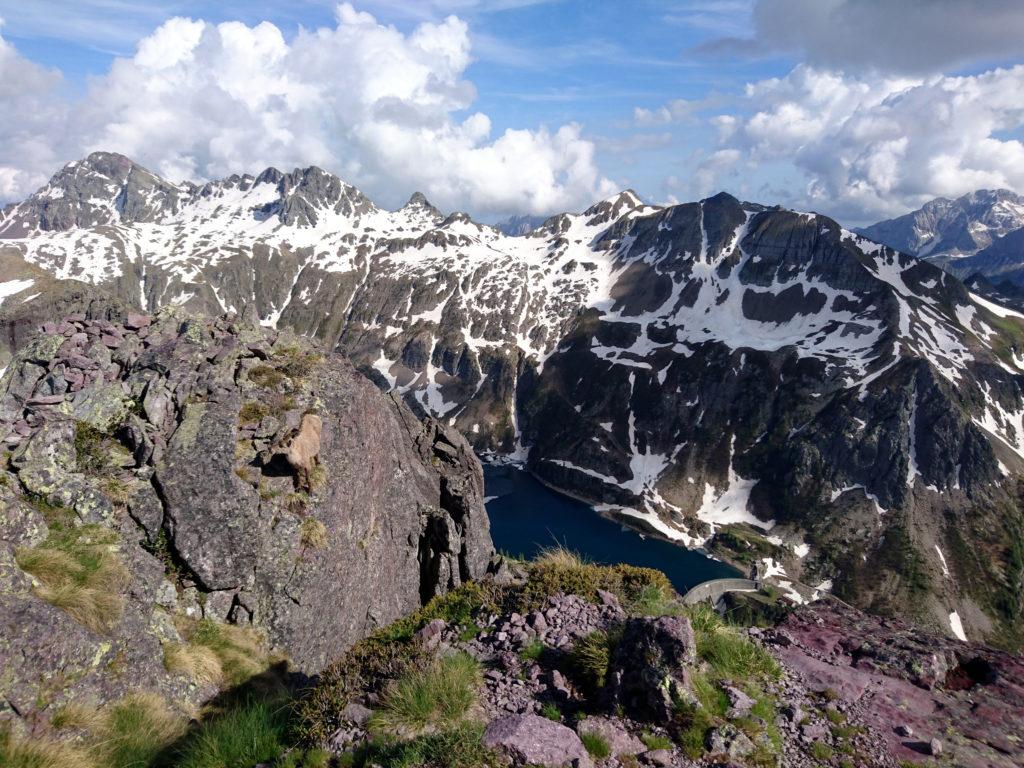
{"x": 860, "y": 109}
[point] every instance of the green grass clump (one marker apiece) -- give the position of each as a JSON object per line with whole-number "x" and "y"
{"x": 731, "y": 655}
{"x": 820, "y": 750}
{"x": 596, "y": 745}
{"x": 654, "y": 600}
{"x": 532, "y": 651}
{"x": 589, "y": 659}
{"x": 551, "y": 711}
{"x": 432, "y": 698}
{"x": 458, "y": 747}
{"x": 79, "y": 572}
{"x": 255, "y": 731}
{"x": 653, "y": 741}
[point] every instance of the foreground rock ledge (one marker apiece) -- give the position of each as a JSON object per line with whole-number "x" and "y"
{"x": 189, "y": 430}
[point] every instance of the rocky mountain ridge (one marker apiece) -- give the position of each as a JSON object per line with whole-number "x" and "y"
{"x": 756, "y": 380}
{"x": 945, "y": 230}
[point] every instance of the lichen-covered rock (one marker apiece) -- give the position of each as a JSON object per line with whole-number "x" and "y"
{"x": 175, "y": 437}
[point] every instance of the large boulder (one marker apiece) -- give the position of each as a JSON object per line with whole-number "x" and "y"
{"x": 649, "y": 670}
{"x": 534, "y": 740}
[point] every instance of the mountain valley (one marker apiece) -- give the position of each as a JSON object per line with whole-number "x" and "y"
{"x": 757, "y": 381}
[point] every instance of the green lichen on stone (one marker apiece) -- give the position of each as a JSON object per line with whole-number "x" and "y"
{"x": 188, "y": 431}
{"x": 103, "y": 406}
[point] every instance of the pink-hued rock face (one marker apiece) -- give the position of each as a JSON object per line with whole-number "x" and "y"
{"x": 910, "y": 686}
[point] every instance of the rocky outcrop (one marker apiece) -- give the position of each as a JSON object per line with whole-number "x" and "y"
{"x": 236, "y": 475}
{"x": 915, "y": 689}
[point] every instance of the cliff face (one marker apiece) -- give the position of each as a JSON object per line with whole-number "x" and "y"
{"x": 163, "y": 471}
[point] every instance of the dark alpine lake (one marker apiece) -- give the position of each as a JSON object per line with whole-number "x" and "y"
{"x": 527, "y": 517}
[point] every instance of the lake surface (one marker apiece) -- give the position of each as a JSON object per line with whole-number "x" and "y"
{"x": 527, "y": 517}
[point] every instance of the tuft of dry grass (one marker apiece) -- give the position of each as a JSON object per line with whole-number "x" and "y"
{"x": 559, "y": 557}
{"x": 217, "y": 653}
{"x": 79, "y": 572}
{"x": 313, "y": 534}
{"x": 16, "y": 752}
{"x": 195, "y": 661}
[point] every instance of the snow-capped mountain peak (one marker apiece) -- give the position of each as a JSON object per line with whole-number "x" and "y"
{"x": 945, "y": 229}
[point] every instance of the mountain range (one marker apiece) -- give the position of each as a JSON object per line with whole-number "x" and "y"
{"x": 787, "y": 393}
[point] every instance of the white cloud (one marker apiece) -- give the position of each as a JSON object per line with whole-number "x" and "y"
{"x": 909, "y": 36}
{"x": 26, "y": 155}
{"x": 871, "y": 146}
{"x": 202, "y": 100}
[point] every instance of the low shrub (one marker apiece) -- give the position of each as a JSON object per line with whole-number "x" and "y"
{"x": 435, "y": 697}
{"x": 559, "y": 570}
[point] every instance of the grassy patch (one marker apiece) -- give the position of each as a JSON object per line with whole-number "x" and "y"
{"x": 820, "y": 751}
{"x": 551, "y": 712}
{"x": 80, "y": 573}
{"x": 532, "y": 651}
{"x": 653, "y": 741}
{"x": 217, "y": 653}
{"x": 432, "y": 698}
{"x": 253, "y": 732}
{"x": 731, "y": 655}
{"x": 596, "y": 745}
{"x": 295, "y": 362}
{"x": 23, "y": 753}
{"x": 654, "y": 600}
{"x": 458, "y": 747}
{"x": 266, "y": 376}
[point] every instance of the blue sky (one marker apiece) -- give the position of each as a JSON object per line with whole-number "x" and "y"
{"x": 665, "y": 96}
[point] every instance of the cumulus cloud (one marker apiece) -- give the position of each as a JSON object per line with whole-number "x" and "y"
{"x": 906, "y": 36}
{"x": 201, "y": 100}
{"x": 26, "y": 153}
{"x": 870, "y": 146}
